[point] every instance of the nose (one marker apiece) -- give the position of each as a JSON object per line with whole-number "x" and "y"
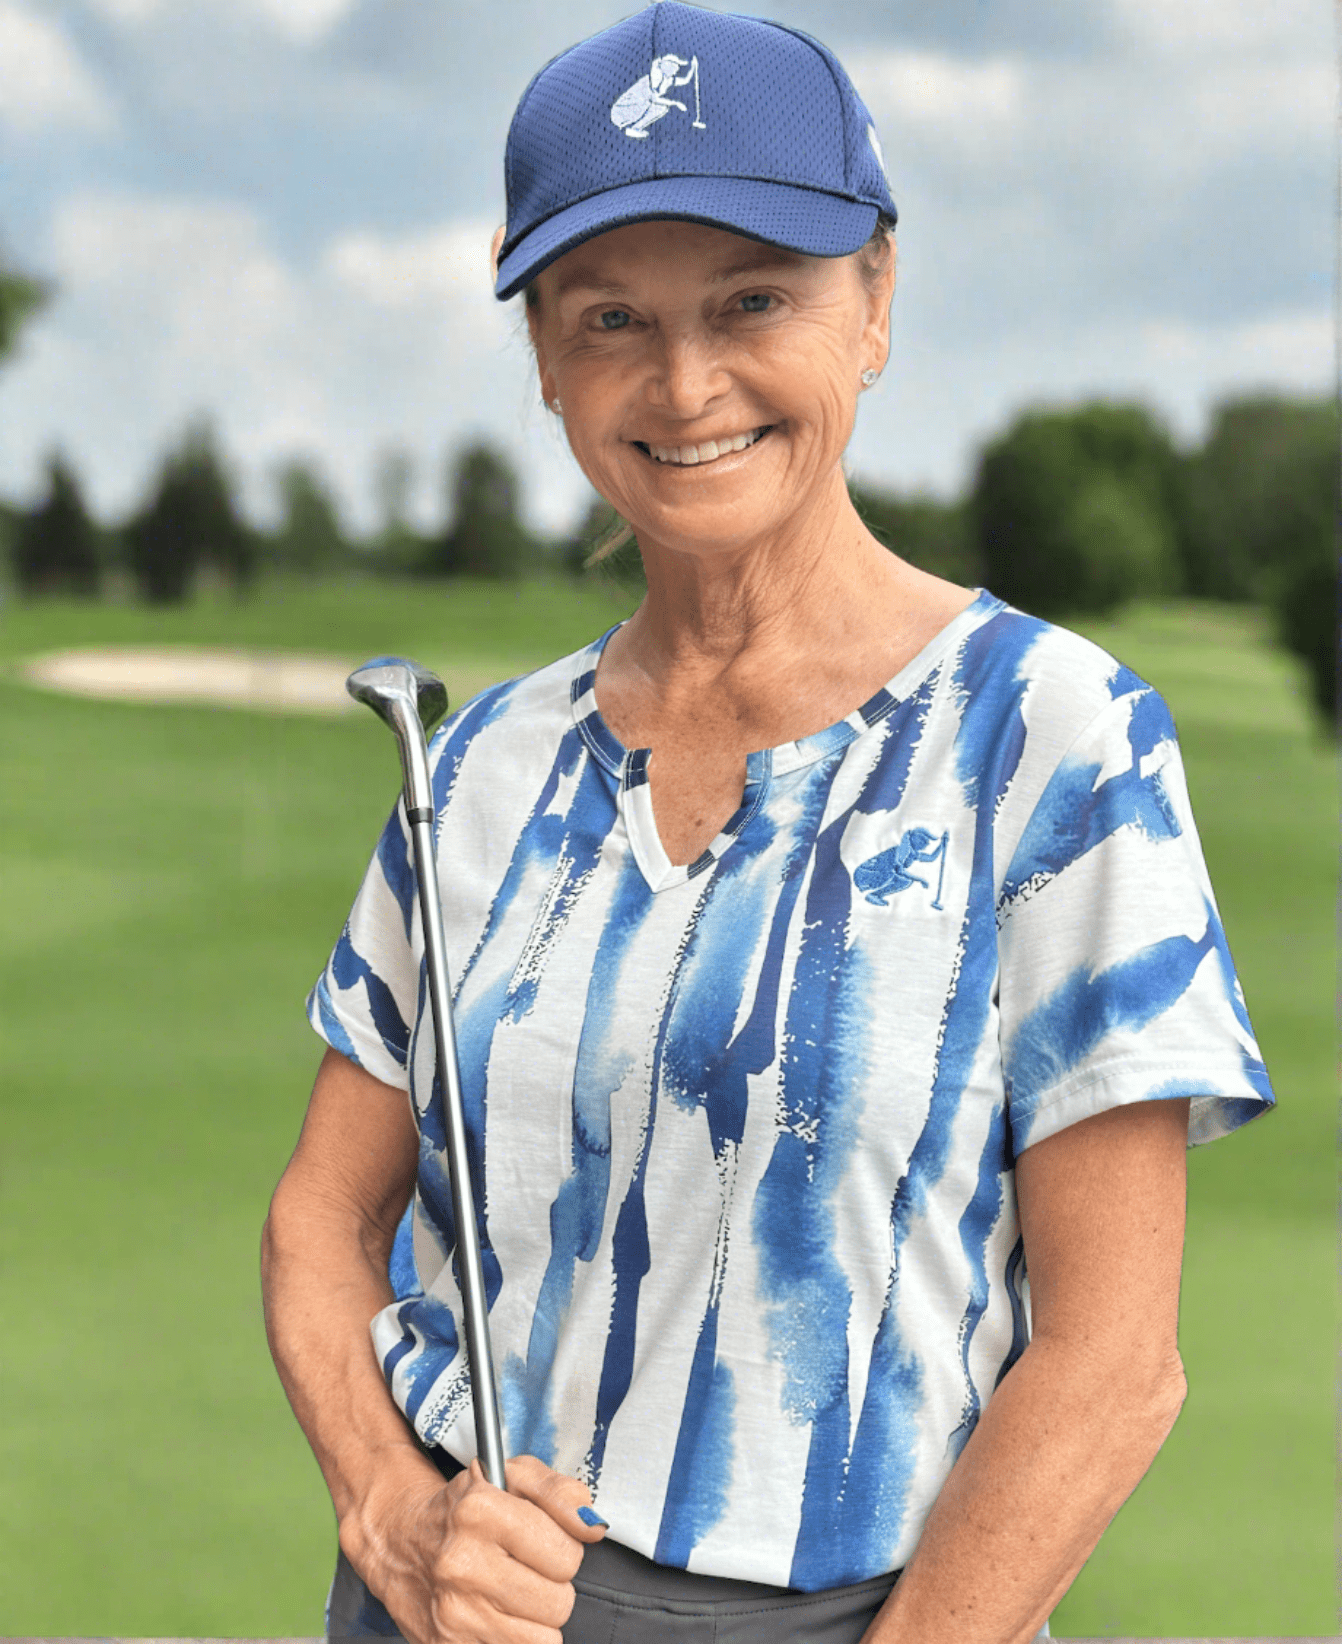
{"x": 689, "y": 376}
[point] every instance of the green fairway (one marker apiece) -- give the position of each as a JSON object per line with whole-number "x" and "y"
{"x": 1232, "y": 1530}
{"x": 172, "y": 881}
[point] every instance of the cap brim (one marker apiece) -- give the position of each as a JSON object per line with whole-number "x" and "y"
{"x": 800, "y": 219}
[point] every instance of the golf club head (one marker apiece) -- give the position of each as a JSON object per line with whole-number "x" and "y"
{"x": 389, "y": 680}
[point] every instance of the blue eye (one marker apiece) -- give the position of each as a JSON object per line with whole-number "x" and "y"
{"x": 756, "y": 302}
{"x": 614, "y": 318}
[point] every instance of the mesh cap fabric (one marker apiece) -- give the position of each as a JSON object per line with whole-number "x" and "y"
{"x": 704, "y": 116}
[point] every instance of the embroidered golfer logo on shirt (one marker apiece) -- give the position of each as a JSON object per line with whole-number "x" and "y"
{"x": 889, "y": 872}
{"x": 646, "y": 101}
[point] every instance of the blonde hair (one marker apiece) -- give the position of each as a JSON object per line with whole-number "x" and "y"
{"x": 620, "y": 532}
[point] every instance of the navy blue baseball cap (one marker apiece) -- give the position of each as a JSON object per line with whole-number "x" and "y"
{"x": 705, "y": 116}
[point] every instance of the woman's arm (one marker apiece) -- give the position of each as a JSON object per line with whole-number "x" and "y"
{"x": 451, "y": 1561}
{"x": 1078, "y": 1420}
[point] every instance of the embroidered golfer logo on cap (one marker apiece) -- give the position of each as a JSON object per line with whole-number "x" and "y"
{"x": 888, "y": 872}
{"x": 646, "y": 101}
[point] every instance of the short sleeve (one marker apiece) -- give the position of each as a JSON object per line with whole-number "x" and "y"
{"x": 1115, "y": 981}
{"x": 365, "y": 999}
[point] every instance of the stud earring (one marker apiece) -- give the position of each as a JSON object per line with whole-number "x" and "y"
{"x": 553, "y": 405}
{"x": 869, "y": 376}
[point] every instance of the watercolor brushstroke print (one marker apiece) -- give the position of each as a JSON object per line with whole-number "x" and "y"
{"x": 746, "y": 1130}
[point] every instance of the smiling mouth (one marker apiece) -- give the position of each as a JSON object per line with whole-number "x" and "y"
{"x": 688, "y": 456}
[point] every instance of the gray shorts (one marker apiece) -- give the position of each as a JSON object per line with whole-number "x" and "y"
{"x": 624, "y": 1598}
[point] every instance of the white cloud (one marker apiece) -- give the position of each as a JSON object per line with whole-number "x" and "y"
{"x": 128, "y": 11}
{"x": 968, "y": 101}
{"x": 1263, "y": 103}
{"x": 192, "y": 280}
{"x": 1044, "y": 121}
{"x": 1281, "y": 351}
{"x": 170, "y": 307}
{"x": 42, "y": 81}
{"x": 448, "y": 263}
{"x": 1205, "y": 27}
{"x": 302, "y": 21}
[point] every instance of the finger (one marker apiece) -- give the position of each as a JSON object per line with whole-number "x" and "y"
{"x": 486, "y": 1517}
{"x": 476, "y": 1580}
{"x": 518, "y": 1591}
{"x": 504, "y": 1629}
{"x": 567, "y": 1501}
{"x": 476, "y": 1592}
{"x": 452, "y": 1619}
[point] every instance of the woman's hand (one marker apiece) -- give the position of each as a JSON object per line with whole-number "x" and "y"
{"x": 457, "y": 1562}
{"x": 463, "y": 1563}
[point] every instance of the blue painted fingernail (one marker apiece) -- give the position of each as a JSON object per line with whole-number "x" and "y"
{"x": 590, "y": 1516}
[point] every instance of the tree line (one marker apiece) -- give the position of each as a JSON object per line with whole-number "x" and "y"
{"x": 1070, "y": 511}
{"x": 189, "y": 530}
{"x": 1078, "y": 510}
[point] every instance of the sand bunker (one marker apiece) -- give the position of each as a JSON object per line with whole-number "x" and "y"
{"x": 275, "y": 680}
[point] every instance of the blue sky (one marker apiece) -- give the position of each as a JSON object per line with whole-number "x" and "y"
{"x": 277, "y": 212}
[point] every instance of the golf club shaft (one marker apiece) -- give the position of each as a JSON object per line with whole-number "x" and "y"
{"x": 475, "y": 1304}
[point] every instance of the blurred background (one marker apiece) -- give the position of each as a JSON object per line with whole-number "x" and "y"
{"x": 256, "y": 399}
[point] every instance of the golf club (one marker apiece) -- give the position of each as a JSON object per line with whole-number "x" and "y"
{"x": 412, "y": 700}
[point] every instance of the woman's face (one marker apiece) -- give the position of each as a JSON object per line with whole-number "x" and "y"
{"x": 708, "y": 382}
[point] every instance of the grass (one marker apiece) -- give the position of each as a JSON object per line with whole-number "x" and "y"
{"x": 1231, "y": 1532}
{"x": 170, "y": 882}
{"x": 513, "y": 624}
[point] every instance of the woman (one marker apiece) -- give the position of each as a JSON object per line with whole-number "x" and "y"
{"x": 832, "y": 947}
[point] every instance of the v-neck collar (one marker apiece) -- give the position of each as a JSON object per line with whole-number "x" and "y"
{"x": 630, "y": 765}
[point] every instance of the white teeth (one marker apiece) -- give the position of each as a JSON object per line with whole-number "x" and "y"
{"x": 688, "y": 455}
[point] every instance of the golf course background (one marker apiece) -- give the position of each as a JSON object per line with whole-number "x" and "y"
{"x": 171, "y": 880}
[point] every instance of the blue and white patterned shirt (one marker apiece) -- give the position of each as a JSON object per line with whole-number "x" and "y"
{"x": 746, "y": 1128}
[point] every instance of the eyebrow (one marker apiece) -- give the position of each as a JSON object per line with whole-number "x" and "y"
{"x": 765, "y": 258}
{"x": 589, "y": 283}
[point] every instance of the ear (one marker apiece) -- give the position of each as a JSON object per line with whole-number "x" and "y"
{"x": 495, "y": 246}
{"x": 876, "y": 330}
